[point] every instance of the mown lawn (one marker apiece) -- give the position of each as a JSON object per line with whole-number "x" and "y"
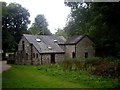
{"x": 52, "y": 76}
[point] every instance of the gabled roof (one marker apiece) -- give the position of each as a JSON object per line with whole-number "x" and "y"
{"x": 75, "y": 39}
{"x": 46, "y": 41}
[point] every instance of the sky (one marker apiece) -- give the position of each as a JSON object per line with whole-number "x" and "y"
{"x": 54, "y": 11}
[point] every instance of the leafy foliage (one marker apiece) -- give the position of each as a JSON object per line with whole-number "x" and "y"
{"x": 98, "y": 20}
{"x": 75, "y": 64}
{"x": 61, "y": 32}
{"x": 15, "y": 19}
{"x": 40, "y": 26}
{"x": 94, "y": 65}
{"x": 107, "y": 68}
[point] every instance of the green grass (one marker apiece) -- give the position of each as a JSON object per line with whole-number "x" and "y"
{"x": 24, "y": 76}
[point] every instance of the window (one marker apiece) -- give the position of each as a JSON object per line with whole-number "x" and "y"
{"x": 53, "y": 58}
{"x": 73, "y": 55}
{"x": 36, "y": 55}
{"x": 38, "y": 40}
{"x": 26, "y": 56}
{"x": 86, "y": 54}
{"x": 23, "y": 46}
{"x": 50, "y": 48}
{"x": 55, "y": 40}
{"x": 33, "y": 55}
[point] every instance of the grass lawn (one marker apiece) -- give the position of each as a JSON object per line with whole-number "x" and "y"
{"x": 24, "y": 76}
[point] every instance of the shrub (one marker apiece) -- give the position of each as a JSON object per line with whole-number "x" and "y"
{"x": 107, "y": 68}
{"x": 73, "y": 64}
{"x": 93, "y": 60}
{"x": 67, "y": 64}
{"x": 78, "y": 64}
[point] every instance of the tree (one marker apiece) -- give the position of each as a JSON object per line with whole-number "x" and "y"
{"x": 98, "y": 20}
{"x": 78, "y": 21}
{"x": 40, "y": 26}
{"x": 33, "y": 30}
{"x": 61, "y": 32}
{"x": 15, "y": 19}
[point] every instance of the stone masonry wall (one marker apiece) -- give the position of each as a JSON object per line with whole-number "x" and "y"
{"x": 24, "y": 57}
{"x": 85, "y": 45}
{"x": 69, "y": 49}
{"x": 59, "y": 58}
{"x": 46, "y": 58}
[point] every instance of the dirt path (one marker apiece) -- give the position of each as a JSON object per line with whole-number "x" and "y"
{"x": 4, "y": 66}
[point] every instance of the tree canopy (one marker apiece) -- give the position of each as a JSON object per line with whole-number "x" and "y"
{"x": 61, "y": 32}
{"x": 40, "y": 26}
{"x": 15, "y": 19}
{"x": 98, "y": 20}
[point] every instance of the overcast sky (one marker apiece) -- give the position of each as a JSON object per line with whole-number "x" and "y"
{"x": 54, "y": 10}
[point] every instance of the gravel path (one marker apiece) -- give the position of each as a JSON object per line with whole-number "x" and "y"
{"x": 4, "y": 66}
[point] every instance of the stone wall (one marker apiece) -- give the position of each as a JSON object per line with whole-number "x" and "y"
{"x": 27, "y": 56}
{"x": 35, "y": 57}
{"x": 85, "y": 45}
{"x": 20, "y": 57}
{"x": 68, "y": 50}
{"x": 46, "y": 58}
{"x": 82, "y": 47}
{"x": 59, "y": 58}
{"x": 23, "y": 56}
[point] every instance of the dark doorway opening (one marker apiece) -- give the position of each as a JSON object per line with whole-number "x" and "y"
{"x": 52, "y": 58}
{"x": 23, "y": 46}
{"x": 86, "y": 54}
{"x": 73, "y": 55}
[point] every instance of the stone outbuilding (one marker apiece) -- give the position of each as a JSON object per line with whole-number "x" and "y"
{"x": 80, "y": 47}
{"x": 40, "y": 49}
{"x": 46, "y": 49}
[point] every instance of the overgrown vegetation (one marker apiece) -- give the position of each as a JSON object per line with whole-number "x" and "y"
{"x": 73, "y": 64}
{"x": 53, "y": 76}
{"x": 108, "y": 67}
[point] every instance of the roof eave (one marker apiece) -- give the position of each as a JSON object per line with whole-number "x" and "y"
{"x": 52, "y": 52}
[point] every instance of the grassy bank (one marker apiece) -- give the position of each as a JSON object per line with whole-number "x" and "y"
{"x": 52, "y": 76}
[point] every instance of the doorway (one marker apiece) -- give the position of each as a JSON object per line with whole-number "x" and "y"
{"x": 73, "y": 55}
{"x": 53, "y": 58}
{"x": 86, "y": 54}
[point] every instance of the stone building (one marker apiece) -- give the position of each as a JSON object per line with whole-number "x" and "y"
{"x": 80, "y": 47}
{"x": 40, "y": 49}
{"x": 45, "y": 49}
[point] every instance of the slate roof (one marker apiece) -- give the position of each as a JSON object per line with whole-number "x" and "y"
{"x": 75, "y": 39}
{"x": 46, "y": 41}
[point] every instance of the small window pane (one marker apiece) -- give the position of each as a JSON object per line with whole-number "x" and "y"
{"x": 36, "y": 55}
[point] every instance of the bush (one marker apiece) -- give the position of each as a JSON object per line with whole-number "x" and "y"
{"x": 73, "y": 64}
{"x": 93, "y": 60}
{"x": 95, "y": 65}
{"x": 107, "y": 68}
{"x": 79, "y": 64}
{"x": 67, "y": 64}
